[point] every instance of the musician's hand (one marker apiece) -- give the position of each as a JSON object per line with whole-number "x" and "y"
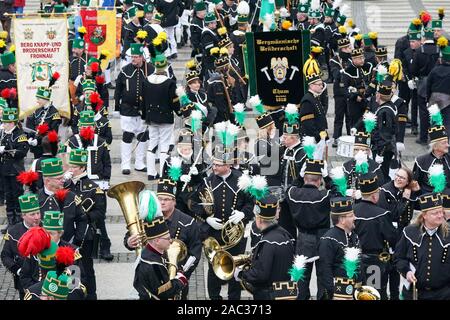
{"x": 133, "y": 241}
{"x": 379, "y": 159}
{"x": 2, "y": 149}
{"x": 357, "y": 195}
{"x": 185, "y": 178}
{"x": 411, "y": 277}
{"x": 237, "y": 271}
{"x": 182, "y": 278}
{"x": 407, "y": 193}
{"x": 400, "y": 146}
{"x": 214, "y": 223}
{"x": 236, "y": 217}
{"x": 32, "y": 142}
{"x": 193, "y": 171}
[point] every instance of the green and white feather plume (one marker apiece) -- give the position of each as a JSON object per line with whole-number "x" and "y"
{"x": 361, "y": 166}
{"x": 437, "y": 177}
{"x": 255, "y": 103}
{"x": 256, "y": 186}
{"x": 382, "y": 72}
{"x": 435, "y": 115}
{"x": 297, "y": 271}
{"x": 149, "y": 206}
{"x": 291, "y": 113}
{"x": 181, "y": 93}
{"x": 239, "y": 113}
{"x": 370, "y": 121}
{"x": 339, "y": 180}
{"x": 175, "y": 170}
{"x": 309, "y": 146}
{"x": 351, "y": 261}
{"x": 196, "y": 120}
{"x": 227, "y": 132}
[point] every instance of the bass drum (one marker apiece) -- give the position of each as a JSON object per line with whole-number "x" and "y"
{"x": 345, "y": 146}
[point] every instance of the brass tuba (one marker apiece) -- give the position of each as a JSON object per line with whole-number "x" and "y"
{"x": 367, "y": 293}
{"x": 176, "y": 253}
{"x": 127, "y": 194}
{"x": 224, "y": 264}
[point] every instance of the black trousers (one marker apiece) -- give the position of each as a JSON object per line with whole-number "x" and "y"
{"x": 88, "y": 276}
{"x": 423, "y": 294}
{"x": 13, "y": 190}
{"x": 286, "y": 221}
{"x": 340, "y": 111}
{"x": 424, "y": 118}
{"x": 307, "y": 245}
{"x": 386, "y": 165}
{"x": 394, "y": 281}
{"x": 215, "y": 284}
{"x": 369, "y": 262}
{"x": 410, "y": 96}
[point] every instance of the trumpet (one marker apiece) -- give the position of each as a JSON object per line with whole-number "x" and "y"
{"x": 177, "y": 252}
{"x": 127, "y": 194}
{"x": 224, "y": 264}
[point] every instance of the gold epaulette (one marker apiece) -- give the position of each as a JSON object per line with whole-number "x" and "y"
{"x": 99, "y": 190}
{"x": 56, "y": 116}
{"x": 77, "y": 255}
{"x": 6, "y": 236}
{"x": 22, "y": 138}
{"x": 109, "y": 124}
{"x": 77, "y": 200}
{"x": 166, "y": 286}
{"x": 27, "y": 295}
{"x": 307, "y": 117}
{"x": 83, "y": 288}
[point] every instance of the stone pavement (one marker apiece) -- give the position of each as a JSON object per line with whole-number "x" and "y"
{"x": 114, "y": 279}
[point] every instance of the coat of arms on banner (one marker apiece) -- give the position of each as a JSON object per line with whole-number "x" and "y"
{"x": 51, "y": 34}
{"x": 279, "y": 67}
{"x": 28, "y": 34}
{"x": 97, "y": 34}
{"x": 42, "y": 71}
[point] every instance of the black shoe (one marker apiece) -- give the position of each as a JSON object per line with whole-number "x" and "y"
{"x": 414, "y": 131}
{"x": 334, "y": 145}
{"x": 126, "y": 171}
{"x": 106, "y": 255}
{"x": 141, "y": 170}
{"x": 173, "y": 56}
{"x": 421, "y": 142}
{"x": 150, "y": 178}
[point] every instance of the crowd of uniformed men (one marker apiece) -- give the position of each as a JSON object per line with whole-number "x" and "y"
{"x": 365, "y": 225}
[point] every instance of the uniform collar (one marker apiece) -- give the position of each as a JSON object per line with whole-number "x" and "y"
{"x": 48, "y": 192}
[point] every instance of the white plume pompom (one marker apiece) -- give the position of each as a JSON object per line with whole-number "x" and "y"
{"x": 337, "y": 173}
{"x": 220, "y": 126}
{"x": 352, "y": 254}
{"x": 196, "y": 114}
{"x": 370, "y": 116}
{"x": 180, "y": 91}
{"x": 243, "y": 8}
{"x": 239, "y": 107}
{"x": 433, "y": 109}
{"x": 291, "y": 108}
{"x": 308, "y": 141}
{"x": 244, "y": 182}
{"x": 144, "y": 197}
{"x": 176, "y": 162}
{"x": 300, "y": 262}
{"x": 259, "y": 182}
{"x": 233, "y": 129}
{"x": 315, "y": 5}
{"x": 382, "y": 70}
{"x": 337, "y": 4}
{"x": 436, "y": 170}
{"x": 253, "y": 101}
{"x": 360, "y": 157}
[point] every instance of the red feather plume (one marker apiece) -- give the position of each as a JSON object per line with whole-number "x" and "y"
{"x": 55, "y": 75}
{"x": 12, "y": 93}
{"x": 61, "y": 194}
{"x": 425, "y": 17}
{"x": 27, "y": 178}
{"x": 87, "y": 133}
{"x": 99, "y": 105}
{"x": 95, "y": 67}
{"x": 100, "y": 79}
{"x": 34, "y": 241}
{"x": 42, "y": 129}
{"x": 52, "y": 136}
{"x": 65, "y": 256}
{"x": 94, "y": 97}
{"x": 5, "y": 93}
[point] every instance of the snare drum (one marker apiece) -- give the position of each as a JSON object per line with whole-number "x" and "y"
{"x": 345, "y": 146}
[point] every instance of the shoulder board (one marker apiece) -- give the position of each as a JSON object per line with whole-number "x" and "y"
{"x": 22, "y": 138}
{"x": 27, "y": 295}
{"x": 56, "y": 116}
{"x": 77, "y": 200}
{"x": 6, "y": 236}
{"x": 98, "y": 190}
{"x": 77, "y": 255}
{"x": 83, "y": 288}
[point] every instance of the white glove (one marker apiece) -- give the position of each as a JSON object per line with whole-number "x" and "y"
{"x": 358, "y": 194}
{"x": 236, "y": 217}
{"x": 400, "y": 147}
{"x": 185, "y": 178}
{"x": 68, "y": 175}
{"x": 412, "y": 84}
{"x": 324, "y": 170}
{"x": 214, "y": 223}
{"x": 32, "y": 142}
{"x": 349, "y": 193}
{"x": 353, "y": 131}
{"x": 18, "y": 271}
{"x": 2, "y": 149}
{"x": 237, "y": 270}
{"x": 352, "y": 90}
{"x": 302, "y": 171}
{"x": 233, "y": 20}
{"x": 193, "y": 171}
{"x": 379, "y": 159}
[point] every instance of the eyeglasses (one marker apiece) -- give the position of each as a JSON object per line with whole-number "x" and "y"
{"x": 400, "y": 177}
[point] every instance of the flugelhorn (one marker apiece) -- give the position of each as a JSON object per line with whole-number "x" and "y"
{"x": 176, "y": 253}
{"x": 224, "y": 264}
{"x": 127, "y": 194}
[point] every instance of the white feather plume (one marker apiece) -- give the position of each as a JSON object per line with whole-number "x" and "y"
{"x": 436, "y": 170}
{"x": 291, "y": 108}
{"x": 239, "y": 107}
{"x": 352, "y": 254}
{"x": 303, "y": 2}
{"x": 259, "y": 182}
{"x": 253, "y": 101}
{"x": 220, "y": 126}
{"x": 360, "y": 157}
{"x": 337, "y": 172}
{"x": 300, "y": 261}
{"x": 268, "y": 20}
{"x": 233, "y": 129}
{"x": 284, "y": 12}
{"x": 144, "y": 198}
{"x": 370, "y": 116}
{"x": 244, "y": 182}
{"x": 243, "y": 8}
{"x": 382, "y": 70}
{"x": 345, "y": 9}
{"x": 433, "y": 109}
{"x": 315, "y": 5}
{"x": 337, "y": 4}
{"x": 308, "y": 141}
{"x": 211, "y": 7}
{"x": 180, "y": 91}
{"x": 176, "y": 162}
{"x": 196, "y": 114}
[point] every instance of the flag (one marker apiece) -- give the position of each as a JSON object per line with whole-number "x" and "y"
{"x": 101, "y": 31}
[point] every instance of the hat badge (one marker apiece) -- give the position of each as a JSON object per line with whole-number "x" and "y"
{"x": 61, "y": 221}
{"x": 53, "y": 287}
{"x": 83, "y": 158}
{"x": 11, "y": 117}
{"x": 46, "y": 93}
{"x": 257, "y": 209}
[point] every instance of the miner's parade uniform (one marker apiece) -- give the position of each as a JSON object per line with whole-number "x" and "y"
{"x": 13, "y": 150}
{"x": 196, "y": 28}
{"x": 8, "y": 79}
{"x": 376, "y": 233}
{"x": 425, "y": 252}
{"x": 338, "y": 283}
{"x": 271, "y": 258}
{"x": 209, "y": 40}
{"x": 77, "y": 66}
{"x": 92, "y": 201}
{"x": 310, "y": 208}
